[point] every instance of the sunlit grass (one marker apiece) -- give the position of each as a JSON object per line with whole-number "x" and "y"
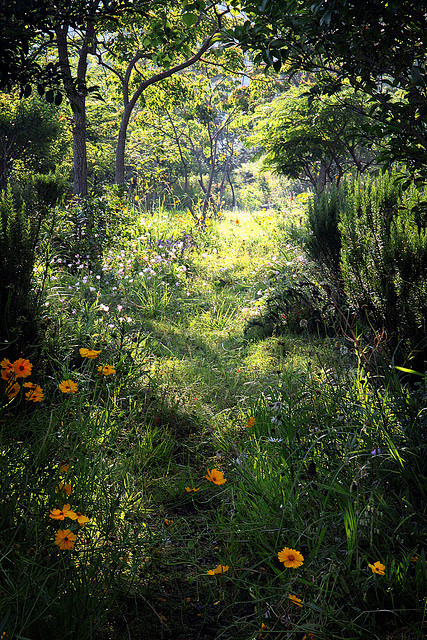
{"x": 315, "y": 457}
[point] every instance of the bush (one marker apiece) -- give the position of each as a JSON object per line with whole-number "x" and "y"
{"x": 384, "y": 261}
{"x": 323, "y": 243}
{"x": 17, "y": 255}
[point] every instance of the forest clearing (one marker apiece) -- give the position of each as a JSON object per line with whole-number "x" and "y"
{"x": 213, "y": 312}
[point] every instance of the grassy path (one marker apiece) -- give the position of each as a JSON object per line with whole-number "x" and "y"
{"x": 207, "y": 376}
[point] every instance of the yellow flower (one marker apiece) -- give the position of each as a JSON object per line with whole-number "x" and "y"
{"x": 221, "y": 568}
{"x": 291, "y": 559}
{"x": 136, "y": 198}
{"x": 12, "y": 390}
{"x": 22, "y": 368}
{"x": 215, "y": 476}
{"x": 106, "y": 370}
{"x": 414, "y": 559}
{"x": 295, "y": 600}
{"x": 251, "y": 422}
{"x": 81, "y": 519}
{"x": 188, "y": 490}
{"x": 89, "y": 353}
{"x": 67, "y": 386}
{"x": 377, "y": 567}
{"x": 36, "y": 392}
{"x": 65, "y": 539}
{"x": 237, "y": 221}
{"x": 61, "y": 514}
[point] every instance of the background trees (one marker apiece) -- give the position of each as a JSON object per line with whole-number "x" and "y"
{"x": 379, "y": 47}
{"x": 317, "y": 141}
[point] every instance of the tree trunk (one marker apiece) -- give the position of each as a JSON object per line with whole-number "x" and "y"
{"x": 77, "y": 100}
{"x": 233, "y": 196}
{"x": 121, "y": 145}
{"x": 79, "y": 147}
{"x": 321, "y": 180}
{"x": 129, "y": 103}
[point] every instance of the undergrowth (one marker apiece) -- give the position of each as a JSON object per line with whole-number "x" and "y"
{"x": 167, "y": 473}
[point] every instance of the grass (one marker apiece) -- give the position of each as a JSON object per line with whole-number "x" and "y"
{"x": 318, "y": 454}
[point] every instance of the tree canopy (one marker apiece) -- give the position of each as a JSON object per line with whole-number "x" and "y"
{"x": 317, "y": 141}
{"x": 379, "y": 47}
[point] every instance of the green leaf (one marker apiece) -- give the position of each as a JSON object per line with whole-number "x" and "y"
{"x": 189, "y": 19}
{"x": 417, "y": 373}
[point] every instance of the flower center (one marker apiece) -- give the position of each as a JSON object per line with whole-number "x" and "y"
{"x": 291, "y": 558}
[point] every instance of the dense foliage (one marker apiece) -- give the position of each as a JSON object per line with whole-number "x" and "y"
{"x": 379, "y": 47}
{"x": 212, "y": 381}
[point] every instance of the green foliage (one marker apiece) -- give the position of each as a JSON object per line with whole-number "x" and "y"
{"x": 384, "y": 260}
{"x": 29, "y": 129}
{"x": 315, "y": 140}
{"x": 39, "y": 192}
{"x": 17, "y": 256}
{"x": 323, "y": 243}
{"x": 316, "y": 455}
{"x": 326, "y": 469}
{"x": 369, "y": 43}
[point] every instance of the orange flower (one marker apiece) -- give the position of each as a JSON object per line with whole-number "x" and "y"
{"x": 221, "y": 568}
{"x": 291, "y": 559}
{"x": 81, "y": 519}
{"x": 65, "y": 465}
{"x": 188, "y": 490}
{"x": 295, "y": 600}
{"x": 251, "y": 422}
{"x": 168, "y": 522}
{"x": 36, "y": 392}
{"x": 61, "y": 514}
{"x": 215, "y": 476}
{"x": 64, "y": 489}
{"x": 67, "y": 386}
{"x": 12, "y": 390}
{"x": 22, "y": 368}
{"x": 89, "y": 353}
{"x": 377, "y": 567}
{"x": 106, "y": 370}
{"x": 65, "y": 539}
{"x": 7, "y": 372}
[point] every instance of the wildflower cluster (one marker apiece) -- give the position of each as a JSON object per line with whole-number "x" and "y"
{"x": 12, "y": 373}
{"x": 66, "y": 538}
{"x": 70, "y": 387}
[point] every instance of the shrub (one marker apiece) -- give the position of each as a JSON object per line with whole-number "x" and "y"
{"x": 384, "y": 260}
{"x": 323, "y": 243}
{"x": 17, "y": 255}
